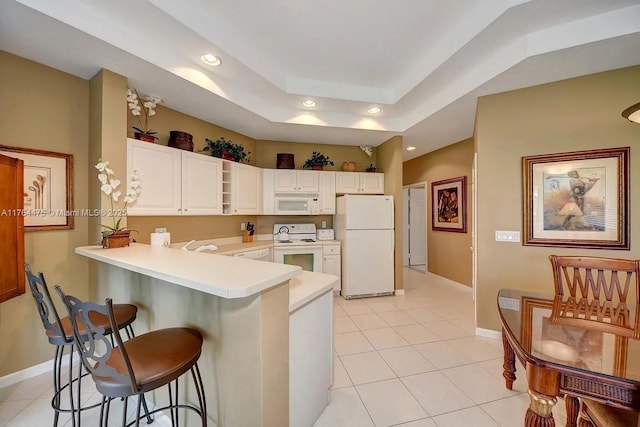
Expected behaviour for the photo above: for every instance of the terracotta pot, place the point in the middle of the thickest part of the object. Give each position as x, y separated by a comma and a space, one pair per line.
117, 240
227, 156
144, 137
317, 167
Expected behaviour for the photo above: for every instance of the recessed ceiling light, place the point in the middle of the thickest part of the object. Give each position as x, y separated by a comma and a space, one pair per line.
309, 103
211, 59
411, 148
374, 110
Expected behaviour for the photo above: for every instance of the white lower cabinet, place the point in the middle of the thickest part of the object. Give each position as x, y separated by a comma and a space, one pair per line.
173, 181
310, 360
331, 262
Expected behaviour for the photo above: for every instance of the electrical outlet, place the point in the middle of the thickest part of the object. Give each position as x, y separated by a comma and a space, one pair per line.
507, 236
324, 224
243, 226
509, 303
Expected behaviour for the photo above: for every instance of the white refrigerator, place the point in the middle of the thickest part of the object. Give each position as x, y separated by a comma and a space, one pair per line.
364, 226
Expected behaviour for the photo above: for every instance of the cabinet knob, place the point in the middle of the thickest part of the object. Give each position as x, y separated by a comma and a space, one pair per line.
179, 210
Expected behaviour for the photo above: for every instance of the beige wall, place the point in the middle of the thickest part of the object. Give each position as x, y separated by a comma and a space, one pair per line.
268, 150
390, 162
576, 114
448, 253
47, 110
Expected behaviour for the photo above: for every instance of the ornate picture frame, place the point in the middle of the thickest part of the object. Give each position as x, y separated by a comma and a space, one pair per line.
449, 205
48, 188
578, 199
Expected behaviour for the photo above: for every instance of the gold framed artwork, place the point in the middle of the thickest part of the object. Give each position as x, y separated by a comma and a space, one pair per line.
449, 205
577, 200
48, 188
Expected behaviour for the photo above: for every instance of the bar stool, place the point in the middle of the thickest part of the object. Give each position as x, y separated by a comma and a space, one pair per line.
137, 366
59, 331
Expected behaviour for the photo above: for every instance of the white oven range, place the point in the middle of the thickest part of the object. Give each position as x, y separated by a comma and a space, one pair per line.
296, 244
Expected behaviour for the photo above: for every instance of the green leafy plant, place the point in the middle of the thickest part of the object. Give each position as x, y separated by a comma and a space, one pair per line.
221, 145
317, 159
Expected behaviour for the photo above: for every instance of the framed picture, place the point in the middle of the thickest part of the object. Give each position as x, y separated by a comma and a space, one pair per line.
583, 348
577, 200
48, 188
449, 205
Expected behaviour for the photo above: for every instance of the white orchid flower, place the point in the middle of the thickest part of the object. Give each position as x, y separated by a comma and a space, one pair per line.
102, 177
114, 183
101, 165
152, 113
116, 195
106, 189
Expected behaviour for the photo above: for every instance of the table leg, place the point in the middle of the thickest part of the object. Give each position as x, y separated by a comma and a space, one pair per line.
509, 365
573, 407
539, 412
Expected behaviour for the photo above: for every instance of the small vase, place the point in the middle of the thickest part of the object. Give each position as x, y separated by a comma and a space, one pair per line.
117, 240
317, 167
144, 137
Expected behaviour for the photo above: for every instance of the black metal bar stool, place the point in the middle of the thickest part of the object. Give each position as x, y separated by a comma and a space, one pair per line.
137, 366
59, 331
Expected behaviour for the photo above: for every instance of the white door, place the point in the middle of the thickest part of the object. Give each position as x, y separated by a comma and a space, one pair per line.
372, 183
417, 229
405, 226
308, 181
201, 184
286, 181
247, 189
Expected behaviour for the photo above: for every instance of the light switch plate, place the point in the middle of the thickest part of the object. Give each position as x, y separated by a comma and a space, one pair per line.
509, 303
507, 236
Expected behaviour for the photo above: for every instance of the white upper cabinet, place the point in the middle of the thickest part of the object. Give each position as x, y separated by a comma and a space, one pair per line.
246, 188
327, 194
201, 188
296, 181
173, 181
359, 183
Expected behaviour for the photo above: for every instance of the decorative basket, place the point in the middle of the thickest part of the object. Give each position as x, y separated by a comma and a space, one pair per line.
349, 166
285, 161
117, 240
181, 140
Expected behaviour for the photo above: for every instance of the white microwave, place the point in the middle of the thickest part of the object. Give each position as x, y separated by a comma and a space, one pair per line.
297, 204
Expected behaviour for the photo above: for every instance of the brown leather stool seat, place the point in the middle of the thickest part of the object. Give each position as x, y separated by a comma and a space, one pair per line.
59, 332
139, 365
599, 415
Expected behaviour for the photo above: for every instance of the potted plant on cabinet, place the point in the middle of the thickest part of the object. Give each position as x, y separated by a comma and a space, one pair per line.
317, 161
226, 149
142, 113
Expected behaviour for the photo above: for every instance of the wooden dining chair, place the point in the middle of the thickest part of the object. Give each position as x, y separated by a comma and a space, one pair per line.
592, 293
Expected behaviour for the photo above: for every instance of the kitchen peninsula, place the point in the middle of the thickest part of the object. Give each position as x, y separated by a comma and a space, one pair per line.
243, 309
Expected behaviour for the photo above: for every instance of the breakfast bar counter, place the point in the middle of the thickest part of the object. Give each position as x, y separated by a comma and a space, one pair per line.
242, 307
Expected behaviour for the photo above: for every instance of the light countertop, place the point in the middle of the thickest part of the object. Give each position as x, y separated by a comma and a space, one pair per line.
307, 286
223, 276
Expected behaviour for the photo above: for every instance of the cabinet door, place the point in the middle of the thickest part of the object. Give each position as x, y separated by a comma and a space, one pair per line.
371, 183
247, 189
286, 181
201, 184
327, 193
347, 182
308, 181
331, 265
159, 169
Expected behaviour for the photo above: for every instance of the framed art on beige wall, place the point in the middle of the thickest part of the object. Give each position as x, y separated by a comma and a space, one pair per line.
449, 205
578, 199
48, 188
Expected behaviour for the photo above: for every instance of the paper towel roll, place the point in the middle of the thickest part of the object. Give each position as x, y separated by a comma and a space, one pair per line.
160, 239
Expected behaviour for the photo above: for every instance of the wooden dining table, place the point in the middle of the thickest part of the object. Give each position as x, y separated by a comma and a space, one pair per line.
565, 361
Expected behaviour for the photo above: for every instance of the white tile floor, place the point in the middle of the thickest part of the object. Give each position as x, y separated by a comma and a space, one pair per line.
411, 361
414, 361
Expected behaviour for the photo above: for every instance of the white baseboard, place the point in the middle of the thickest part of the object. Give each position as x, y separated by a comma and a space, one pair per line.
34, 371
488, 333
399, 292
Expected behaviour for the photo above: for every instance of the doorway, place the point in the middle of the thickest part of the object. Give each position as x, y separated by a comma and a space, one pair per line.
415, 230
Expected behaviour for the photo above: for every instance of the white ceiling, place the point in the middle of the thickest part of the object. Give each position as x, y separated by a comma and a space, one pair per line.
424, 62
